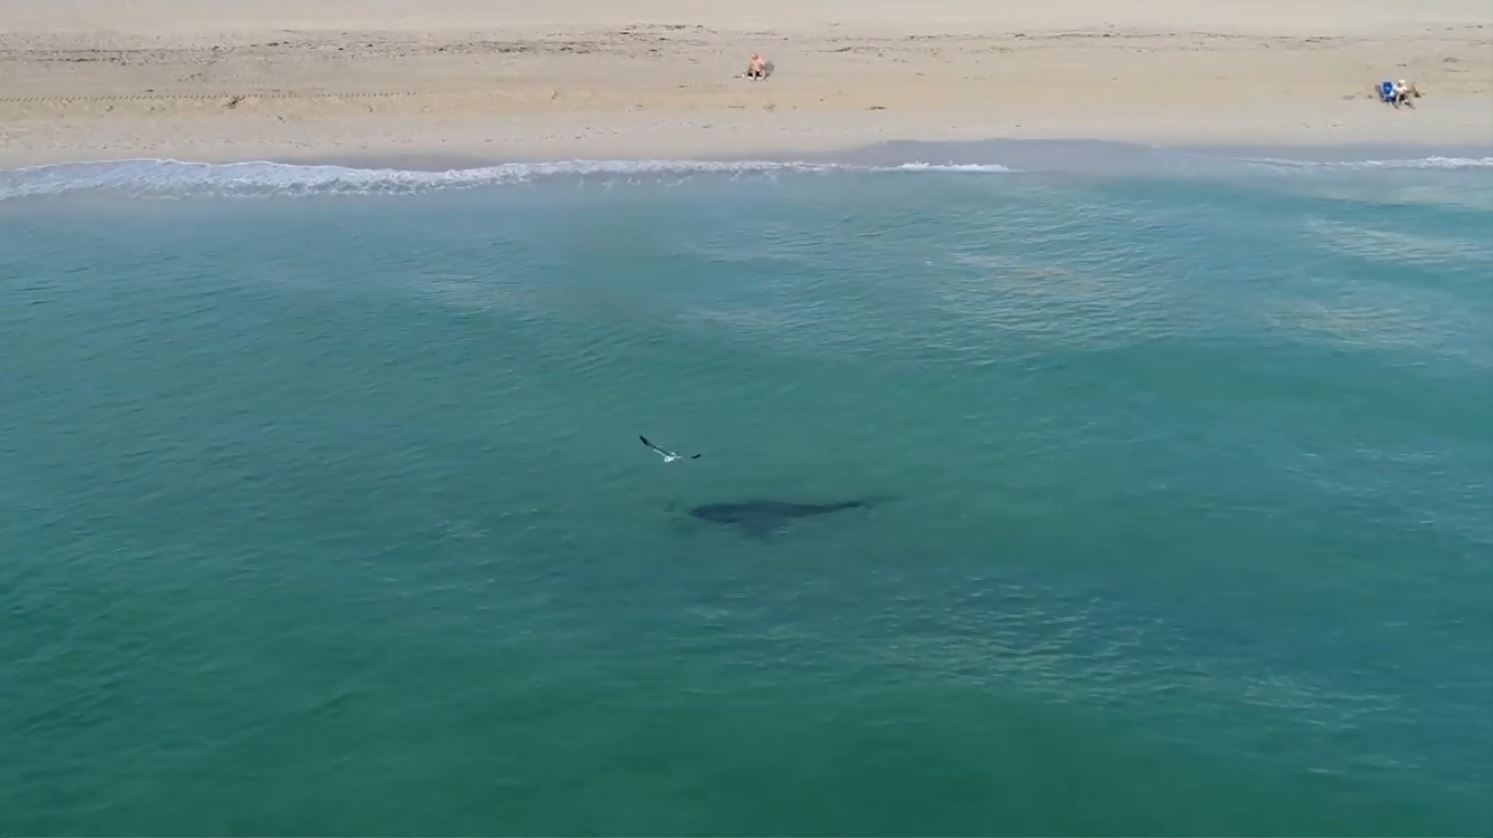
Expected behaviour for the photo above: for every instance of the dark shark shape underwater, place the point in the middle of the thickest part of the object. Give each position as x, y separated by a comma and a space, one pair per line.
759, 517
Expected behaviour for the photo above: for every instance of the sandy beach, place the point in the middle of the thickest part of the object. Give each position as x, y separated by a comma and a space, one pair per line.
333, 79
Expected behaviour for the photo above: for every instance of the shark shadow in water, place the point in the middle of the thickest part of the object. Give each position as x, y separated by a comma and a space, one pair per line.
763, 517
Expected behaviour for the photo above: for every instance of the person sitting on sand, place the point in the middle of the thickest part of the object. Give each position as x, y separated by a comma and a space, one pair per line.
756, 67
1404, 92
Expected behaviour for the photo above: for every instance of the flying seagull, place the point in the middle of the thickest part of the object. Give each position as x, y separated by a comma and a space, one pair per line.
669, 456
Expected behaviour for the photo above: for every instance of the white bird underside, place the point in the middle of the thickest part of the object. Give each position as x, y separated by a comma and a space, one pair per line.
669, 456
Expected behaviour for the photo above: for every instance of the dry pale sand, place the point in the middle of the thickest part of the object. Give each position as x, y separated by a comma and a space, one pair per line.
504, 79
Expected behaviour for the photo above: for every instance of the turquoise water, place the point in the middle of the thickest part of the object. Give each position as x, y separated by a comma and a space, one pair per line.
323, 510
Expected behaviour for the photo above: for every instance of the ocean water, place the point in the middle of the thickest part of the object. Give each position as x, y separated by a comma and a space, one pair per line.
322, 508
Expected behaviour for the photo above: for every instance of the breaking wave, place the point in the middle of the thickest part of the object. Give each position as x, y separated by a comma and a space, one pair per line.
180, 179
1408, 163
176, 178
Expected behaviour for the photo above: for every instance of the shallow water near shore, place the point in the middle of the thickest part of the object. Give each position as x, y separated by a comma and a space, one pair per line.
324, 512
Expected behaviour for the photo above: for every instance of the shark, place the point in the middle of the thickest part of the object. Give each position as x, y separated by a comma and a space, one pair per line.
760, 517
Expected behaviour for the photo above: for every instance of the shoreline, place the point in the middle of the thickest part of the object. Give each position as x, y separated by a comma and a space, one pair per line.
1056, 154
411, 174
817, 137
578, 79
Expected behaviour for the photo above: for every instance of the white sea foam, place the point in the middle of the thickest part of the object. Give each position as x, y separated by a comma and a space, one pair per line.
181, 178
176, 178
1407, 163
988, 168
